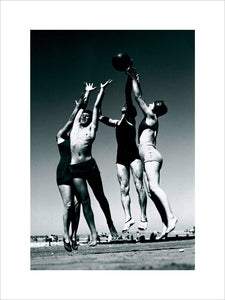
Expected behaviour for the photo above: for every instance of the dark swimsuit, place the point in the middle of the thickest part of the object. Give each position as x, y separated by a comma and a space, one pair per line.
63, 175
84, 169
144, 126
127, 150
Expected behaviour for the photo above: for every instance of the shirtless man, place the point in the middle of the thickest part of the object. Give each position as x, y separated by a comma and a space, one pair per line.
83, 167
128, 159
150, 156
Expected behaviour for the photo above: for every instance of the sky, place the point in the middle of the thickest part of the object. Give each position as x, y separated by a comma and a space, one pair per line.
61, 61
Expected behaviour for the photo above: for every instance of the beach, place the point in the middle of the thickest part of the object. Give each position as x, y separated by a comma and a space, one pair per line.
160, 255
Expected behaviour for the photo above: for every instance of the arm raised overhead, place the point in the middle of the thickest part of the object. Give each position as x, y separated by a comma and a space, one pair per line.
97, 105
137, 91
63, 132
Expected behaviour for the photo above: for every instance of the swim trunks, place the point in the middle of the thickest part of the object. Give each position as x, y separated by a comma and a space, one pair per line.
127, 150
84, 169
63, 175
148, 152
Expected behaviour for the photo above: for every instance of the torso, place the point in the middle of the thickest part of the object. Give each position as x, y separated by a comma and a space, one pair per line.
125, 134
148, 130
127, 150
81, 141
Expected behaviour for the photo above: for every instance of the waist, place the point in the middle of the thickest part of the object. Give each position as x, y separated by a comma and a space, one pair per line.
80, 158
147, 135
147, 144
84, 169
126, 145
90, 161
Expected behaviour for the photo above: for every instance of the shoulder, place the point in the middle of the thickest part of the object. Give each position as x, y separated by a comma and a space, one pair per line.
149, 112
60, 140
61, 136
130, 121
117, 123
151, 120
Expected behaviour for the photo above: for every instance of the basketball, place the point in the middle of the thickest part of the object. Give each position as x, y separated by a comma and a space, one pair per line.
121, 61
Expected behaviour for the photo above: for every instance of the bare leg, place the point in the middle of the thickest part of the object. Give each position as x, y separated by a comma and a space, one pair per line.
83, 197
123, 175
159, 197
137, 171
75, 223
97, 188
67, 197
158, 204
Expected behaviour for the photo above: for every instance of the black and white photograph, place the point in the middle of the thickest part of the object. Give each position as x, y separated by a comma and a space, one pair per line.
112, 130
106, 164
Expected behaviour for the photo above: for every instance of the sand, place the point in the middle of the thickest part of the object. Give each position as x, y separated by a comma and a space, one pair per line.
167, 255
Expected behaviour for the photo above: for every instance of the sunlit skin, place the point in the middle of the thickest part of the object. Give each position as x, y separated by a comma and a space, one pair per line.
71, 208
152, 167
135, 166
81, 138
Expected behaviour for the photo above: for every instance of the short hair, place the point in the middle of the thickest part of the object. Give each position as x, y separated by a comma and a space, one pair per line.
88, 111
160, 108
131, 109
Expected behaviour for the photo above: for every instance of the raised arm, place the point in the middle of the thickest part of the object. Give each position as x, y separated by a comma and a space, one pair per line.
130, 112
63, 133
80, 105
128, 91
98, 103
137, 91
88, 88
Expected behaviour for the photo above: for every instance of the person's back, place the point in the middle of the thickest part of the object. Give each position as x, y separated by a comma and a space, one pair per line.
128, 158
125, 135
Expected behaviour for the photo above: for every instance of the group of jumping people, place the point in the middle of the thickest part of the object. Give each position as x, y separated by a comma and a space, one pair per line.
77, 167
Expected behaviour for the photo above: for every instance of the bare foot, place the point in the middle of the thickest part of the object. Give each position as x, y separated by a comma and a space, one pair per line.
74, 245
143, 225
113, 232
163, 233
92, 243
171, 224
67, 245
128, 224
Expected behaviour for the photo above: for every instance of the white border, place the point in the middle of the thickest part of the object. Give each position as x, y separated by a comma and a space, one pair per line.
207, 18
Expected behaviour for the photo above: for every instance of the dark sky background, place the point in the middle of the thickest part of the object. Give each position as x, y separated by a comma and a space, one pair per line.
61, 61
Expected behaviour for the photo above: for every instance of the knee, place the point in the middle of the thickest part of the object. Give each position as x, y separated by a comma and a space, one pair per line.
124, 188
139, 185
86, 202
67, 206
77, 206
154, 188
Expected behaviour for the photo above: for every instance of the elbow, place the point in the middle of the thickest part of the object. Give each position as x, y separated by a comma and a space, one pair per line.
138, 97
59, 133
96, 108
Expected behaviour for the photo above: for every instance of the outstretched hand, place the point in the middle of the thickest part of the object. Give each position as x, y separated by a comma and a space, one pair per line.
80, 101
103, 85
132, 73
89, 87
